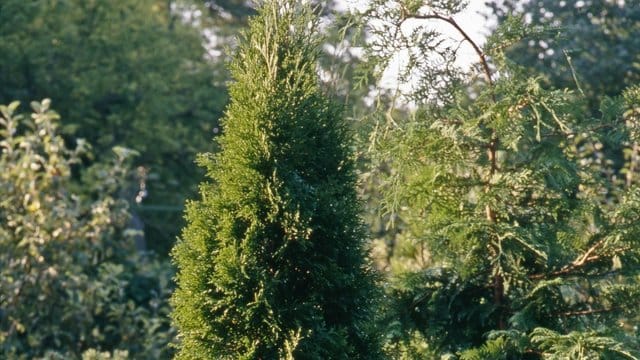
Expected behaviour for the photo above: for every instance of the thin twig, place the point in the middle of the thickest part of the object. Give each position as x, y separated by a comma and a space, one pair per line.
450, 20
573, 72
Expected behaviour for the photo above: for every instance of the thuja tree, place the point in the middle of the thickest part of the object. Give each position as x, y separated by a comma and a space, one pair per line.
509, 251
272, 261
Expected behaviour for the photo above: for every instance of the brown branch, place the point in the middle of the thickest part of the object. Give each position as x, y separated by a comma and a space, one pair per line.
580, 261
452, 22
586, 259
565, 271
576, 264
492, 147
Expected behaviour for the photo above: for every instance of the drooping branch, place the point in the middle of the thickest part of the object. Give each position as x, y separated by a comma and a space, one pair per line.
587, 258
588, 255
492, 146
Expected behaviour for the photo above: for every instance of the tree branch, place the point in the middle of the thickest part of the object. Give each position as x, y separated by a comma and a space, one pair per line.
583, 260
492, 147
585, 312
452, 22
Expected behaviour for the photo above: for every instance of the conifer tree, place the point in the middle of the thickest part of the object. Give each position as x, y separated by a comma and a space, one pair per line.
508, 250
272, 262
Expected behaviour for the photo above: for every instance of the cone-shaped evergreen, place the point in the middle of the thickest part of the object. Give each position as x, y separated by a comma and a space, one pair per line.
272, 262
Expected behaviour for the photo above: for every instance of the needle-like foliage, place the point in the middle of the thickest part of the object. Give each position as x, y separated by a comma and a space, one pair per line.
272, 263
508, 251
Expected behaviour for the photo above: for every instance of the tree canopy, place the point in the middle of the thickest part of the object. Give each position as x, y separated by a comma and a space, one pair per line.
123, 73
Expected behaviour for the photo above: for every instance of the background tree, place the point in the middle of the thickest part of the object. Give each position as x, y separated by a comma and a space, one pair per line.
510, 251
128, 73
591, 44
272, 262
69, 278
591, 47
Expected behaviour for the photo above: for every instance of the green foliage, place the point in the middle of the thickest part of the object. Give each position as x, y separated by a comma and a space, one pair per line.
92, 354
579, 345
272, 262
410, 49
593, 42
589, 46
70, 278
497, 348
504, 227
123, 73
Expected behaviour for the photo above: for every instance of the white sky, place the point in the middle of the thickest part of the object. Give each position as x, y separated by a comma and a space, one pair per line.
474, 24
471, 21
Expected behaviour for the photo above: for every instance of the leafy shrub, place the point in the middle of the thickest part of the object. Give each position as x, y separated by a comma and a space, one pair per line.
70, 278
